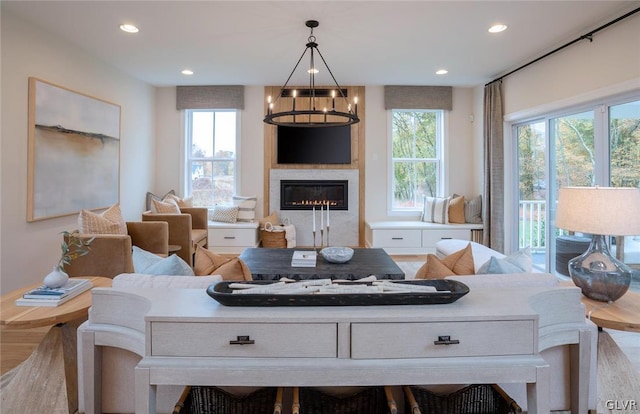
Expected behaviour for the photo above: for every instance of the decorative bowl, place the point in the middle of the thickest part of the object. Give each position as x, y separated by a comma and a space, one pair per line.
337, 254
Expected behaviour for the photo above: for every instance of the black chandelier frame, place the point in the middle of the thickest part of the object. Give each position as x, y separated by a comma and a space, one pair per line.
303, 117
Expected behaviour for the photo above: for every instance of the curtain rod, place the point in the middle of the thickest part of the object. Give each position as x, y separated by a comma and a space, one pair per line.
588, 36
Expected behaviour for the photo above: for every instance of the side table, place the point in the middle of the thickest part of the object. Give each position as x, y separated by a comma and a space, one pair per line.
622, 315
48, 380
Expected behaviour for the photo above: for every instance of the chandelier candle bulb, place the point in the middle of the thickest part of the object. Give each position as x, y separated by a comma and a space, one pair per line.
311, 116
355, 102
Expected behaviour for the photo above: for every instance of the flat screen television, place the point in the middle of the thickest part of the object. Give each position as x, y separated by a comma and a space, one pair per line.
314, 145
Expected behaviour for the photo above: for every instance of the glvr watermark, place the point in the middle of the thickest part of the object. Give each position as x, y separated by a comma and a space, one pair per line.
622, 405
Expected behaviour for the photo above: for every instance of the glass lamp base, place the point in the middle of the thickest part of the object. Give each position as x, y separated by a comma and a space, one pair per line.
600, 275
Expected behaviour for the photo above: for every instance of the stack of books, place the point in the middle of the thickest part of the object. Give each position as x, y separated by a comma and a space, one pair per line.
46, 296
303, 259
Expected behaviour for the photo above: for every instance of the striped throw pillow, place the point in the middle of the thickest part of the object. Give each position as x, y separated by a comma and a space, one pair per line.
246, 207
473, 210
436, 210
109, 221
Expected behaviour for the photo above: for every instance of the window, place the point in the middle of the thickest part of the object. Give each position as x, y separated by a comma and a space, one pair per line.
594, 144
211, 162
416, 157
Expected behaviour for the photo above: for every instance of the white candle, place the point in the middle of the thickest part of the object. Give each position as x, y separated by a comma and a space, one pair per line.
314, 218
328, 204
321, 218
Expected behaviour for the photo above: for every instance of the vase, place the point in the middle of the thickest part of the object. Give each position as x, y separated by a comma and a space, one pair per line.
601, 276
56, 278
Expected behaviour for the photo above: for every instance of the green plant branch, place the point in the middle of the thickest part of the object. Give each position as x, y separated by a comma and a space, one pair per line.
73, 247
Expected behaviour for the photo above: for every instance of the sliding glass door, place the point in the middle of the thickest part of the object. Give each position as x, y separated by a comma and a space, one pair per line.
597, 145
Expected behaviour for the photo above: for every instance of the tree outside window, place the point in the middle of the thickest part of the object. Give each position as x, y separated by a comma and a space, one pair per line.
211, 161
416, 157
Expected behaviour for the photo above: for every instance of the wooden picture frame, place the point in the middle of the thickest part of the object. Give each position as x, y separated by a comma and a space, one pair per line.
73, 152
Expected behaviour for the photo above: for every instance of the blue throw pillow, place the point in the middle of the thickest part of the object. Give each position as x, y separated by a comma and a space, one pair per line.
152, 264
518, 262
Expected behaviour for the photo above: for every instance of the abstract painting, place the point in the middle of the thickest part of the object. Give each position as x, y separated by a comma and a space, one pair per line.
73, 154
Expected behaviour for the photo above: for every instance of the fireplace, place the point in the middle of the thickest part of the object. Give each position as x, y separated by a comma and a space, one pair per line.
304, 194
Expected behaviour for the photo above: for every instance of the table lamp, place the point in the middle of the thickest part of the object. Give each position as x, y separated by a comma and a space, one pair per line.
599, 211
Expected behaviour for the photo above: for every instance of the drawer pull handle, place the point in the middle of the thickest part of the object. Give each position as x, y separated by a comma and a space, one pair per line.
397, 238
229, 237
242, 340
446, 238
446, 340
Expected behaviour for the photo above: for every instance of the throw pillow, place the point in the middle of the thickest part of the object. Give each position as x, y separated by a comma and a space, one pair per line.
151, 196
456, 210
457, 263
152, 264
473, 210
109, 221
181, 202
436, 210
518, 262
272, 218
246, 207
165, 207
207, 262
225, 214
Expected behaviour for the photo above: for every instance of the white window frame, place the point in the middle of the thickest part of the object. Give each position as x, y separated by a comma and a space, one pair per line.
187, 145
599, 106
441, 150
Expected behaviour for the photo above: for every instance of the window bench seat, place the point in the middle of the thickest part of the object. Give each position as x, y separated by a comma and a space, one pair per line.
416, 237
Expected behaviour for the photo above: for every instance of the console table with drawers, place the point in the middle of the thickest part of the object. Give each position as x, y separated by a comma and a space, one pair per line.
487, 336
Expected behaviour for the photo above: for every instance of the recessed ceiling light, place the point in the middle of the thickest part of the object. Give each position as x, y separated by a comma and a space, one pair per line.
497, 28
442, 72
129, 28
187, 72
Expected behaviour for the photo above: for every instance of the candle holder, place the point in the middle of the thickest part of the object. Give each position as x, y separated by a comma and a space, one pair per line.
314, 240
321, 238
328, 236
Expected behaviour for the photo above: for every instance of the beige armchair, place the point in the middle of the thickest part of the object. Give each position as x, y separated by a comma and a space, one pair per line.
111, 254
188, 229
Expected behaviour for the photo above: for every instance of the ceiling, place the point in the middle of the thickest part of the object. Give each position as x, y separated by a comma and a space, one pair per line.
363, 42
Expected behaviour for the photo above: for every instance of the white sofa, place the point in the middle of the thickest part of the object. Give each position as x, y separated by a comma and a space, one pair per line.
556, 353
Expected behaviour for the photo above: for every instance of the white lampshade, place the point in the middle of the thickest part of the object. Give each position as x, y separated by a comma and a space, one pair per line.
613, 211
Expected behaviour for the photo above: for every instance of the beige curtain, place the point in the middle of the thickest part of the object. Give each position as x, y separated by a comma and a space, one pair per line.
493, 205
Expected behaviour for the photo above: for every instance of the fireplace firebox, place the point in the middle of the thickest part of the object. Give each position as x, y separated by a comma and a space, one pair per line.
304, 194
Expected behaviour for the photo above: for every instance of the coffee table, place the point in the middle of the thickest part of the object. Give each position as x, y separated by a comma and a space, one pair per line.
272, 264
48, 380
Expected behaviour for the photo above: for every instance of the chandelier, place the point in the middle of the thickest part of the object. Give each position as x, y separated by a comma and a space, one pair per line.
315, 108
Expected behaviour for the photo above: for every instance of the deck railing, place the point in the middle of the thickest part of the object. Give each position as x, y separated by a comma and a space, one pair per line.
532, 219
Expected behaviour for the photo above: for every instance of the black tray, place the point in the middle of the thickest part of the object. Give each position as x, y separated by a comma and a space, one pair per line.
451, 291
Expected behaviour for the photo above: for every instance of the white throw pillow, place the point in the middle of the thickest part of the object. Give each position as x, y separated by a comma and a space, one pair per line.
246, 207
225, 214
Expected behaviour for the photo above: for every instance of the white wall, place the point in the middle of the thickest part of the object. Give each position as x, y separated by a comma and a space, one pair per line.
170, 145
461, 164
460, 160
29, 250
